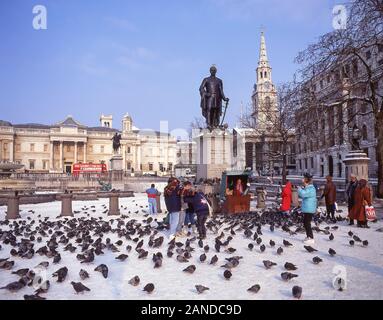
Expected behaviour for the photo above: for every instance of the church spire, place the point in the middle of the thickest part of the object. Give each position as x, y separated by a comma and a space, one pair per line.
263, 60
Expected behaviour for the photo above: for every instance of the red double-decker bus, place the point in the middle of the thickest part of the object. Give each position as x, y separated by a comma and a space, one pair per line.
88, 168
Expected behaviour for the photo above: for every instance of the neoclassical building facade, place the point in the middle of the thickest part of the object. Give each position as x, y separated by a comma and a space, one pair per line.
55, 148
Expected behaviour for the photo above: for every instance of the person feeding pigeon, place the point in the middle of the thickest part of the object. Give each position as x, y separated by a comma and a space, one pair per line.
309, 205
190, 214
286, 198
329, 193
200, 205
172, 196
152, 193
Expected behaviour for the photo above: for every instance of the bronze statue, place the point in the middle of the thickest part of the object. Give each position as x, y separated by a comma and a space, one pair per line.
356, 136
116, 142
211, 91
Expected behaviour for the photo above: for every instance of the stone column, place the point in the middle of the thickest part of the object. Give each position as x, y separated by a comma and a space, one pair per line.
75, 152
66, 205
84, 153
61, 156
114, 208
13, 207
52, 158
254, 157
11, 151
1, 150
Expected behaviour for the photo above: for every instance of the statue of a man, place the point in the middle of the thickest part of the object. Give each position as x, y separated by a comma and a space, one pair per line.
211, 91
356, 136
116, 142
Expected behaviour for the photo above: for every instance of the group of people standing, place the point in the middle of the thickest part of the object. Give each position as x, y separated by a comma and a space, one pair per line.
183, 203
358, 196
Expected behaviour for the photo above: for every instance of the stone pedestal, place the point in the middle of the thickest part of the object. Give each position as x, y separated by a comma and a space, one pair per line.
158, 200
117, 167
114, 207
214, 153
356, 162
261, 198
66, 205
13, 207
294, 197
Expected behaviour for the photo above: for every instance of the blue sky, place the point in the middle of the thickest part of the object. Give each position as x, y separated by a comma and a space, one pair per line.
145, 57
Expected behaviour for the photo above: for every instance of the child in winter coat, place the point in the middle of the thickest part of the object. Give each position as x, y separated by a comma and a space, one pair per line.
200, 205
286, 198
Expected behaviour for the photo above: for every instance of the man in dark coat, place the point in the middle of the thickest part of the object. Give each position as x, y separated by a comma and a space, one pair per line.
350, 192
211, 91
329, 194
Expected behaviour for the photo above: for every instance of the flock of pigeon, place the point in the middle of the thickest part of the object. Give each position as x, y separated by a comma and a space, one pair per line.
87, 237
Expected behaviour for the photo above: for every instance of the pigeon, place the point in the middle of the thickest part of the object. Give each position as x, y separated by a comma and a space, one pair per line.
200, 243
33, 297
122, 257
227, 274
79, 287
83, 274
149, 288
190, 269
255, 288
279, 251
286, 243
310, 249
57, 258
214, 260
297, 292
230, 250
217, 247
365, 243
201, 288
268, 264
21, 272
103, 269
43, 288
135, 281
289, 266
272, 243
332, 252
331, 237
286, 276
356, 238
182, 259
14, 286
262, 248
61, 274
258, 241
351, 242
250, 246
206, 248
317, 260
202, 257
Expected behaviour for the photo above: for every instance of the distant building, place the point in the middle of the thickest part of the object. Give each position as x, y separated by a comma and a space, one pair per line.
322, 133
55, 148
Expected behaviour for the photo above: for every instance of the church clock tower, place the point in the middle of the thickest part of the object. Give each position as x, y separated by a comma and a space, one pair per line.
264, 96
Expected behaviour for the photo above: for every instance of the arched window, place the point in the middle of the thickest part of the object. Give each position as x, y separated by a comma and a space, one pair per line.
364, 132
265, 74
261, 74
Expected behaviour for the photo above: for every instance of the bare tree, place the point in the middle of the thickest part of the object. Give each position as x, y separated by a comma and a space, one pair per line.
353, 58
277, 123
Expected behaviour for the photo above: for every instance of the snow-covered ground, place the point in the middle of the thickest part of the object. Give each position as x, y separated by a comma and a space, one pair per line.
361, 266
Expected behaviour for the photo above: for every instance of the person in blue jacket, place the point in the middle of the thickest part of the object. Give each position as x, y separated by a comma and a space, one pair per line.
152, 193
172, 196
308, 195
200, 206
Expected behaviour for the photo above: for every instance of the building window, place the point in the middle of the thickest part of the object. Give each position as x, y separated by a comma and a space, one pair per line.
102, 149
161, 167
170, 166
45, 148
68, 148
128, 150
312, 162
150, 166
45, 164
128, 165
339, 169
32, 164
18, 147
32, 147
364, 132
90, 148
306, 166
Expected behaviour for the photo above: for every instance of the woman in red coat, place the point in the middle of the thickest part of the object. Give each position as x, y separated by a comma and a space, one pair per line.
362, 198
286, 198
